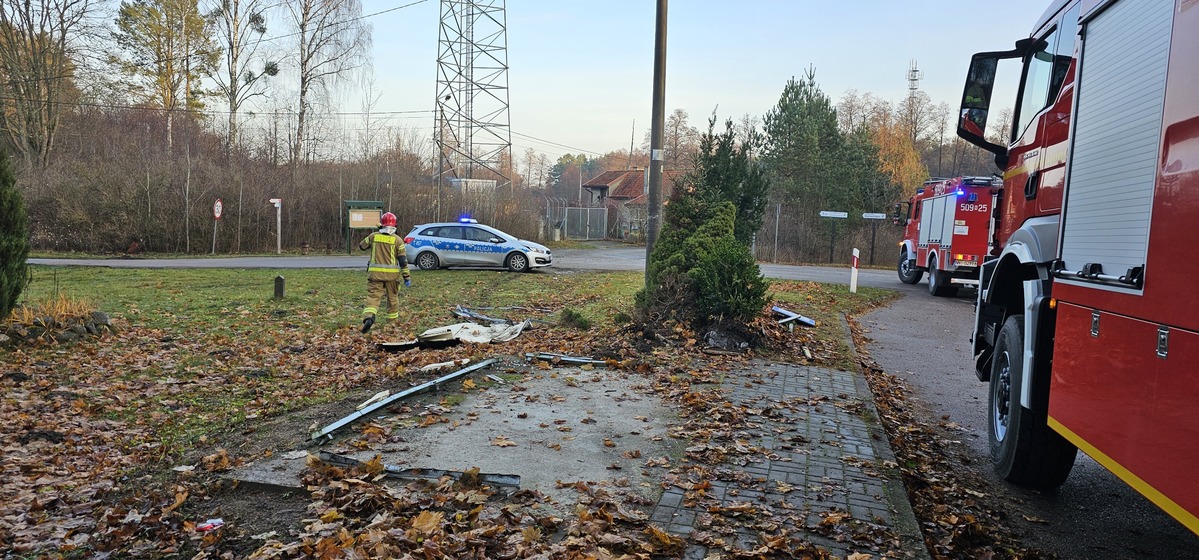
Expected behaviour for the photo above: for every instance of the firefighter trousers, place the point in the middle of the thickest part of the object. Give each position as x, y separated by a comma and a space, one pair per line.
375, 291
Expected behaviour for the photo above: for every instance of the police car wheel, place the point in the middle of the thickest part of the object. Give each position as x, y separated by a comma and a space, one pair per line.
518, 262
427, 261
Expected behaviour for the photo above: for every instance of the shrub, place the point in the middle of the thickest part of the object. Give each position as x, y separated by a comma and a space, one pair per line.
573, 319
700, 273
14, 240
729, 287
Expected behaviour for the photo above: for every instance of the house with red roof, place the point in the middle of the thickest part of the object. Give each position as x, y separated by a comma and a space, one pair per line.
625, 194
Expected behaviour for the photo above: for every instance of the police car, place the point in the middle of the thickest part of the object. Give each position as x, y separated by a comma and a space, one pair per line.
469, 243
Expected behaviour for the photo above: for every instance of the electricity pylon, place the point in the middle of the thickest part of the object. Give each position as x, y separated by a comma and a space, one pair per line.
472, 131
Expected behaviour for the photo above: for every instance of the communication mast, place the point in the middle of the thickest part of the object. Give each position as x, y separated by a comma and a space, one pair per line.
914, 77
472, 131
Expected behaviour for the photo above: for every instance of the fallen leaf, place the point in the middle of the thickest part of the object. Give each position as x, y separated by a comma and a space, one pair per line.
502, 441
428, 522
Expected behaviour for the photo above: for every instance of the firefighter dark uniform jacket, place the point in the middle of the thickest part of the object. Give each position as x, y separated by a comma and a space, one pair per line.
388, 261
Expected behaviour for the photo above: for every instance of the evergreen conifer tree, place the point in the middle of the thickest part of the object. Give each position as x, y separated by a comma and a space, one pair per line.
701, 270
14, 239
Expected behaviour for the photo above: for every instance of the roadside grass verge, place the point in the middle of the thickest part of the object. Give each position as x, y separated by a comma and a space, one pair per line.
826, 304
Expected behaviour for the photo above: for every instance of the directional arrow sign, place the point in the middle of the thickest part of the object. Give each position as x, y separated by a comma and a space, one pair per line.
874, 215
829, 214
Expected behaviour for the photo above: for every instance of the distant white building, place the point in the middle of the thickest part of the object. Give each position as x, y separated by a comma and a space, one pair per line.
480, 186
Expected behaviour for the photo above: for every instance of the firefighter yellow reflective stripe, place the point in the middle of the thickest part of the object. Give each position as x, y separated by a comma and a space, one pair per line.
382, 268
385, 239
393, 316
370, 310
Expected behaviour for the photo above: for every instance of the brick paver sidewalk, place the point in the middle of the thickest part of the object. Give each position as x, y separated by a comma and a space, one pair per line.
823, 466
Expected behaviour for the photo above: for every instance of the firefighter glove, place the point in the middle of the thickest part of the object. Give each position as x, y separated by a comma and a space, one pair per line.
407, 282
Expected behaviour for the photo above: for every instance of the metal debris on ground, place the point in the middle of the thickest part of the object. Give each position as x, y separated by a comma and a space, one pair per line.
552, 357
473, 332
374, 399
517, 308
466, 313
511, 480
789, 316
496, 378
443, 365
328, 430
210, 525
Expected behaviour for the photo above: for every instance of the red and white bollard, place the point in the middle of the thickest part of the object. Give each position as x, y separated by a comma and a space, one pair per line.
853, 273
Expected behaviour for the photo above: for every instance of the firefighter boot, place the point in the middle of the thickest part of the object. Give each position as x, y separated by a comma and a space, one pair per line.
367, 323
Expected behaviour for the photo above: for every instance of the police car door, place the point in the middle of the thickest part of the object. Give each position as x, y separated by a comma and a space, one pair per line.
479, 250
449, 244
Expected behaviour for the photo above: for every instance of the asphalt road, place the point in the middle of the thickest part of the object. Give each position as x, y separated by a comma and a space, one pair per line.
923, 340
616, 257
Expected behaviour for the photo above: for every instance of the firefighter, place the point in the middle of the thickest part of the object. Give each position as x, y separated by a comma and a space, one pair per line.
388, 263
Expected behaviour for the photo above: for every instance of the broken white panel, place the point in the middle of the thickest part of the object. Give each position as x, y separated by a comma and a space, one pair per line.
473, 332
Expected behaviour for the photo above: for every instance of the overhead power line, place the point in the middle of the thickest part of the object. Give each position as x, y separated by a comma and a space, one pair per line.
556, 144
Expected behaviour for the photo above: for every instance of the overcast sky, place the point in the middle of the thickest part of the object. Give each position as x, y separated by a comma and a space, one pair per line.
580, 72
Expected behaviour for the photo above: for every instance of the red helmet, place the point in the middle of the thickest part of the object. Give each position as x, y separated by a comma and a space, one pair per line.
388, 220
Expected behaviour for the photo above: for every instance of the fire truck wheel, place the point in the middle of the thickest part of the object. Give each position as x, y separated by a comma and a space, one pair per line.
1024, 449
909, 273
938, 282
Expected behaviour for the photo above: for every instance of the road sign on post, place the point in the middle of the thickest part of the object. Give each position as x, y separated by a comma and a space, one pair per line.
874, 217
832, 240
217, 209
278, 202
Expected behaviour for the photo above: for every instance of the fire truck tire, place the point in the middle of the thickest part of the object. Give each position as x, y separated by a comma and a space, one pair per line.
1024, 449
909, 273
938, 282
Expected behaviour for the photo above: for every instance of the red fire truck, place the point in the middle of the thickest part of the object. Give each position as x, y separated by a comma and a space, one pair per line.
948, 229
1087, 323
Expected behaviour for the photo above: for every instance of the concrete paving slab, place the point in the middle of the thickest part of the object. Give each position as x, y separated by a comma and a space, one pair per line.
566, 424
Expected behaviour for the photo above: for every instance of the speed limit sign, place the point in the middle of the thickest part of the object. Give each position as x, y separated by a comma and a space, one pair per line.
217, 208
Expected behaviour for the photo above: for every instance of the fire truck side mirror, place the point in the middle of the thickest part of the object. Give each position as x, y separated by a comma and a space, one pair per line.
899, 217
976, 96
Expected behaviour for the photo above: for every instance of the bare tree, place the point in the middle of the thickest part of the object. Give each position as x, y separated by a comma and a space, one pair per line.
36, 43
240, 26
916, 113
746, 128
372, 129
334, 40
682, 140
530, 159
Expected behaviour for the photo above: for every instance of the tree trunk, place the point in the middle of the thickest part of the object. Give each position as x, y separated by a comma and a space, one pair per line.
187, 183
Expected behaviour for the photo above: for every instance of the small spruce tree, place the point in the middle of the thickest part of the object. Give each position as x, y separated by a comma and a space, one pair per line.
699, 272
14, 239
